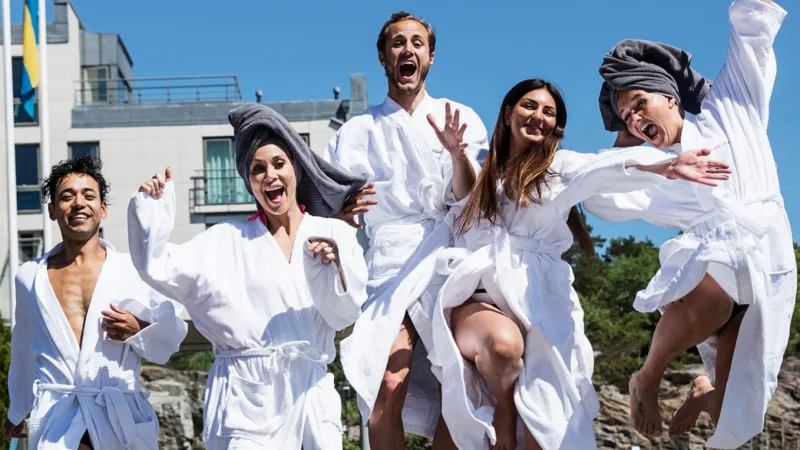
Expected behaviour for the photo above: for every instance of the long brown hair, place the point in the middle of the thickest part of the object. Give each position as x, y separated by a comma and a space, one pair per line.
524, 175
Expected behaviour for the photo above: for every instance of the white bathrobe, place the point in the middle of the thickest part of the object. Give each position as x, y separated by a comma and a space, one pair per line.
271, 322
518, 262
412, 173
738, 232
69, 388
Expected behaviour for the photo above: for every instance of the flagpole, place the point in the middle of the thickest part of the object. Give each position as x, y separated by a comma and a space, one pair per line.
11, 166
44, 118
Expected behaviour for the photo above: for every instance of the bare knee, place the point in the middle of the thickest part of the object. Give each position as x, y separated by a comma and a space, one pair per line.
391, 396
504, 348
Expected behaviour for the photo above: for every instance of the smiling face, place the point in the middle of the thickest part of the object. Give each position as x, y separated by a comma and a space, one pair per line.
406, 57
654, 118
532, 119
77, 207
273, 180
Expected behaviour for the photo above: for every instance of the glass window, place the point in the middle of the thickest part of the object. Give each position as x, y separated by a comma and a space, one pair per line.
30, 245
92, 148
95, 85
223, 184
28, 189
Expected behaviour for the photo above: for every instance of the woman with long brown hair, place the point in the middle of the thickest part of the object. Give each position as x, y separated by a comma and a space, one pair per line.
508, 306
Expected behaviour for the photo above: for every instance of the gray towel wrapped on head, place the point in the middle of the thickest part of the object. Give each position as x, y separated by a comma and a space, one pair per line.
322, 188
652, 67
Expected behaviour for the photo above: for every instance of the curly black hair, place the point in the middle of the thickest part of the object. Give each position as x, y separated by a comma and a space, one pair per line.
83, 164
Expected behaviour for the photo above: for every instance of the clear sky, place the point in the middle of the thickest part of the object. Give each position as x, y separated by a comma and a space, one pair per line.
300, 50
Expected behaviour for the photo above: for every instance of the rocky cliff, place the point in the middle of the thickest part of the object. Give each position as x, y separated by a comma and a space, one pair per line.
178, 400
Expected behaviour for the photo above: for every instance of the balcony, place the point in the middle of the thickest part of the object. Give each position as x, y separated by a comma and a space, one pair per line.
219, 194
157, 90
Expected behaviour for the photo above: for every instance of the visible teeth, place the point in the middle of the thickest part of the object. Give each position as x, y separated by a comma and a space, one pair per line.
274, 189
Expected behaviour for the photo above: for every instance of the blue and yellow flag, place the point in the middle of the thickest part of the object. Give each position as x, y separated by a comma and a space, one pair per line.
30, 56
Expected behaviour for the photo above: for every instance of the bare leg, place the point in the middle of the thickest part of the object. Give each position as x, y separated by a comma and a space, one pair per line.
386, 421
442, 439
704, 396
494, 342
684, 324
530, 441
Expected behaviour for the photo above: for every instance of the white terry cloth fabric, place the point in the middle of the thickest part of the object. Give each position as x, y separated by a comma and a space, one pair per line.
518, 262
738, 232
70, 388
271, 321
412, 173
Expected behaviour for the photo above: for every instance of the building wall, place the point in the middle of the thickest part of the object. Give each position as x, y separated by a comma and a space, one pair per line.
63, 70
130, 154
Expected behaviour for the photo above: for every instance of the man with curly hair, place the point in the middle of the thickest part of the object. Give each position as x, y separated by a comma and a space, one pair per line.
81, 308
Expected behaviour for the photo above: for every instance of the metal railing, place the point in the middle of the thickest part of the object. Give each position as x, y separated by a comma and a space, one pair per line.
157, 90
218, 187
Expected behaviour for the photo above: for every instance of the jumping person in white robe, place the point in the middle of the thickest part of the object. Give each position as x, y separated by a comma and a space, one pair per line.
268, 293
727, 284
81, 309
417, 173
508, 327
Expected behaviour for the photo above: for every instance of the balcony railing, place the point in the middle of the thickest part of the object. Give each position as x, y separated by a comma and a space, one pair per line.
219, 191
189, 89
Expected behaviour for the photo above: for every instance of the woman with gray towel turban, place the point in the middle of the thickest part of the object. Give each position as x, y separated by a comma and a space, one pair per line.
727, 284
269, 293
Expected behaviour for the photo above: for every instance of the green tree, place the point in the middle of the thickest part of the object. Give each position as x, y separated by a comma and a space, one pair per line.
5, 362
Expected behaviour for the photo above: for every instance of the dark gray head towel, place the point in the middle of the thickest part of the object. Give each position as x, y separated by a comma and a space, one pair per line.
321, 187
652, 67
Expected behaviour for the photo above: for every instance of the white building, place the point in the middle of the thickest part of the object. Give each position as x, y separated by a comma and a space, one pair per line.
138, 127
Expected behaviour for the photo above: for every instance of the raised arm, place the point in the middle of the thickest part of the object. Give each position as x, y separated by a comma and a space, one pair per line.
172, 270
749, 73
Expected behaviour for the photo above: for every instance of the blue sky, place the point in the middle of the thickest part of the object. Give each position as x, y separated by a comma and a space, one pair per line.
298, 50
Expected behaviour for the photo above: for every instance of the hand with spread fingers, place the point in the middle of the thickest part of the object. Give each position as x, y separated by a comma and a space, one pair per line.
694, 166
15, 431
356, 205
452, 135
120, 325
155, 185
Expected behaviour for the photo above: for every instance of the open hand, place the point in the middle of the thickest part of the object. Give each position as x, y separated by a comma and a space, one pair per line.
695, 167
120, 325
452, 135
155, 185
356, 205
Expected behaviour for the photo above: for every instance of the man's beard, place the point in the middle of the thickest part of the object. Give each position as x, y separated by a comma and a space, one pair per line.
407, 90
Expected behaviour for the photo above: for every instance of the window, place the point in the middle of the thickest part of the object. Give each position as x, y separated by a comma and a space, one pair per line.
306, 138
30, 245
95, 85
20, 115
28, 189
92, 148
222, 182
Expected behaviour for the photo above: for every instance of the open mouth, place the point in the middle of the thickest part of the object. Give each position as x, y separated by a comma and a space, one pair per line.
274, 195
407, 70
80, 217
650, 131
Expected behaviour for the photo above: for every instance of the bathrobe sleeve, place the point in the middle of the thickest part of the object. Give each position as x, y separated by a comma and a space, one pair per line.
750, 67
477, 147
172, 270
159, 340
584, 175
338, 306
22, 370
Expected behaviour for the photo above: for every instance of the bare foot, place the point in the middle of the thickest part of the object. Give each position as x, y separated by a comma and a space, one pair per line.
645, 413
684, 419
505, 425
